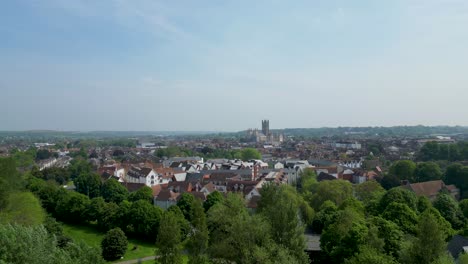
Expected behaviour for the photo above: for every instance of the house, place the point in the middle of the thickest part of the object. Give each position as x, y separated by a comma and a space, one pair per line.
323, 176
431, 189
166, 198
145, 175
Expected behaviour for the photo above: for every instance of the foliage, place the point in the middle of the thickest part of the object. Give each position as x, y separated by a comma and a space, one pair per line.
145, 219
185, 227
430, 241
212, 199
114, 244
250, 154
368, 191
145, 193
326, 216
20, 244
343, 238
185, 204
369, 255
336, 191
113, 191
403, 169
398, 195
88, 184
390, 233
60, 175
450, 210
280, 206
72, 207
402, 215
197, 245
427, 171
168, 241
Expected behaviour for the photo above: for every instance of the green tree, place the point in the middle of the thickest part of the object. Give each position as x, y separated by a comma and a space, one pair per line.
390, 233
369, 255
250, 153
368, 191
197, 245
402, 215
113, 191
430, 240
168, 241
280, 206
145, 193
336, 191
427, 171
34, 245
88, 184
185, 204
185, 226
144, 219
72, 207
212, 199
403, 169
464, 207
343, 238
326, 216
450, 210
114, 244
398, 195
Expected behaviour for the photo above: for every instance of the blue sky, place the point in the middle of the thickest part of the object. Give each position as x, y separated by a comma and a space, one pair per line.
225, 65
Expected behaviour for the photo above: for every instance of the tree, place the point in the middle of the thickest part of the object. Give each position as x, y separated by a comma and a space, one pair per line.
197, 245
450, 210
185, 227
212, 199
144, 219
79, 166
113, 191
427, 171
145, 193
390, 181
250, 154
22, 244
464, 207
43, 154
401, 215
369, 255
390, 233
185, 204
88, 184
398, 195
368, 190
280, 206
114, 244
168, 241
336, 191
72, 207
343, 238
237, 237
326, 216
403, 169
430, 240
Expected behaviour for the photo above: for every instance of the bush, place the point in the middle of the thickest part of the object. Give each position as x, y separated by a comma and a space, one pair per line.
114, 244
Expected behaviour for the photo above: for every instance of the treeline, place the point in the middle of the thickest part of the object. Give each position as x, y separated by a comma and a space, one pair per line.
209, 153
27, 235
433, 151
218, 230
367, 224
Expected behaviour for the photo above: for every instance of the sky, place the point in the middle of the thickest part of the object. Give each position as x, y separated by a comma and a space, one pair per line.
204, 65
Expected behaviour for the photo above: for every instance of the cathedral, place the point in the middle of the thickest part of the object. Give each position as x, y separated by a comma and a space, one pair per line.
265, 135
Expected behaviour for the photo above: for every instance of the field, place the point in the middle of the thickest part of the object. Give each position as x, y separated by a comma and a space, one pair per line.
93, 237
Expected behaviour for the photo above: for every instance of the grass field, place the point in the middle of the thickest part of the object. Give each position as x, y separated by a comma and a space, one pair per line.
93, 237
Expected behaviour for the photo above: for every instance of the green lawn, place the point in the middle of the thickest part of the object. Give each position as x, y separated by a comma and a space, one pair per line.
184, 258
93, 238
